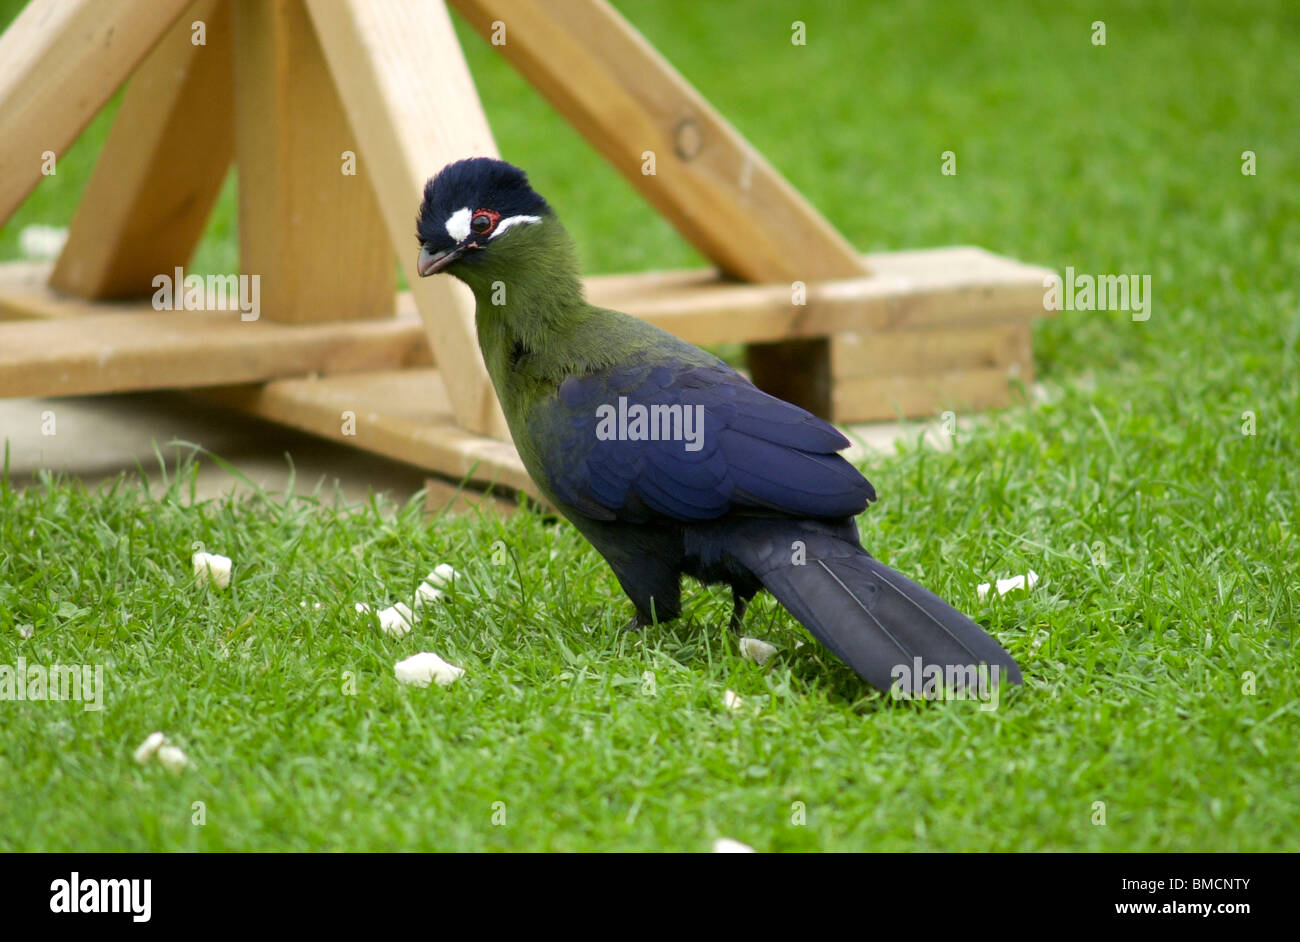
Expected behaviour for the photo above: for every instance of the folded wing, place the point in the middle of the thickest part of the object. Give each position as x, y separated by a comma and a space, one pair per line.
710, 443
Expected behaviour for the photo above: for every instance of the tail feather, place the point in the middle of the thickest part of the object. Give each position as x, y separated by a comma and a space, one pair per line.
879, 622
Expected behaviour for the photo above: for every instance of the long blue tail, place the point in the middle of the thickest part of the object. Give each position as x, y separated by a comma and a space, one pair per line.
876, 620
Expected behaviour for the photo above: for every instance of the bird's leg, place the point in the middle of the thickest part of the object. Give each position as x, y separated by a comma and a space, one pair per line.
641, 620
739, 604
654, 588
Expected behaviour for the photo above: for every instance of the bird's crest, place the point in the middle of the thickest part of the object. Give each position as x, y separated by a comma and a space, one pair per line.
479, 198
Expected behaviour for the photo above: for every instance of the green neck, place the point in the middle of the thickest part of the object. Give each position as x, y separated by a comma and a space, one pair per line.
534, 326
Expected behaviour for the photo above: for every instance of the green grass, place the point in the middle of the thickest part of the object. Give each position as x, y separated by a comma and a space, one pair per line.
1165, 538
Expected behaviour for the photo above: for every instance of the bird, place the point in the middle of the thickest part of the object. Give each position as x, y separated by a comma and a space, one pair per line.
669, 461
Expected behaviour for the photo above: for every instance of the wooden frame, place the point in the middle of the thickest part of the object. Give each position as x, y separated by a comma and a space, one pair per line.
286, 88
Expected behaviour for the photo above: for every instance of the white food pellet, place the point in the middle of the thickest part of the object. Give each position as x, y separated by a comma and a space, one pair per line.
725, 845
731, 701
426, 667
1025, 582
26, 631
756, 650
145, 751
211, 566
442, 576
426, 594
397, 619
172, 758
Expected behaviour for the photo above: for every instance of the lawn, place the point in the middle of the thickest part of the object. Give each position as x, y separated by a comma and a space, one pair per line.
1154, 491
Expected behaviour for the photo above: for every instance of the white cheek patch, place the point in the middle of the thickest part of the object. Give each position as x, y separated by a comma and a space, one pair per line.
506, 223
458, 225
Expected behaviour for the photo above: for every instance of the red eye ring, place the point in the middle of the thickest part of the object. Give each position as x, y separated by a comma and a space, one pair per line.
484, 221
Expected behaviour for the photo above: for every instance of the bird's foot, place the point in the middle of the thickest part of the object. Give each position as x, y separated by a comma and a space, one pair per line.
635, 624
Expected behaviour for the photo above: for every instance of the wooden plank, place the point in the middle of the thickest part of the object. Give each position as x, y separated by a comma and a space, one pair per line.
403, 414
626, 99
723, 313
410, 99
25, 294
934, 288
25, 290
41, 302
885, 352
60, 61
907, 290
885, 398
147, 349
313, 233
159, 173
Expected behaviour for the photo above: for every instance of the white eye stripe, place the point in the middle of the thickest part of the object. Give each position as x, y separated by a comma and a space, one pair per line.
505, 224
458, 224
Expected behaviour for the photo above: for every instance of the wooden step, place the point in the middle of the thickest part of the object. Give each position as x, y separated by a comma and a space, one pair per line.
403, 414
102, 353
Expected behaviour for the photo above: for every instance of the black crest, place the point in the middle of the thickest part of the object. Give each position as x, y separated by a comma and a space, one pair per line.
476, 183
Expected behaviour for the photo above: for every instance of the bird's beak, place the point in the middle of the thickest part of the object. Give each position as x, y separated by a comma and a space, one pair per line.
431, 263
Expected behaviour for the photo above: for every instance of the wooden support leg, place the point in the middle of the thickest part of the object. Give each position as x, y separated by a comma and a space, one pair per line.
311, 230
409, 95
60, 61
720, 193
160, 171
626, 99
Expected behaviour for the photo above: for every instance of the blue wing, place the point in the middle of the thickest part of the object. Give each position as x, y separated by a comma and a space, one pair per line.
746, 450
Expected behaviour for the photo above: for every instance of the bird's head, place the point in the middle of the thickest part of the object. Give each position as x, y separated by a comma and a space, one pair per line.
469, 210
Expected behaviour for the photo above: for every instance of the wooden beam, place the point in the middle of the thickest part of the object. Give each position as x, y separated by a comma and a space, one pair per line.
708, 181
403, 414
406, 414
626, 99
956, 288
942, 296
900, 352
147, 349
930, 288
885, 398
310, 231
408, 94
159, 173
60, 61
